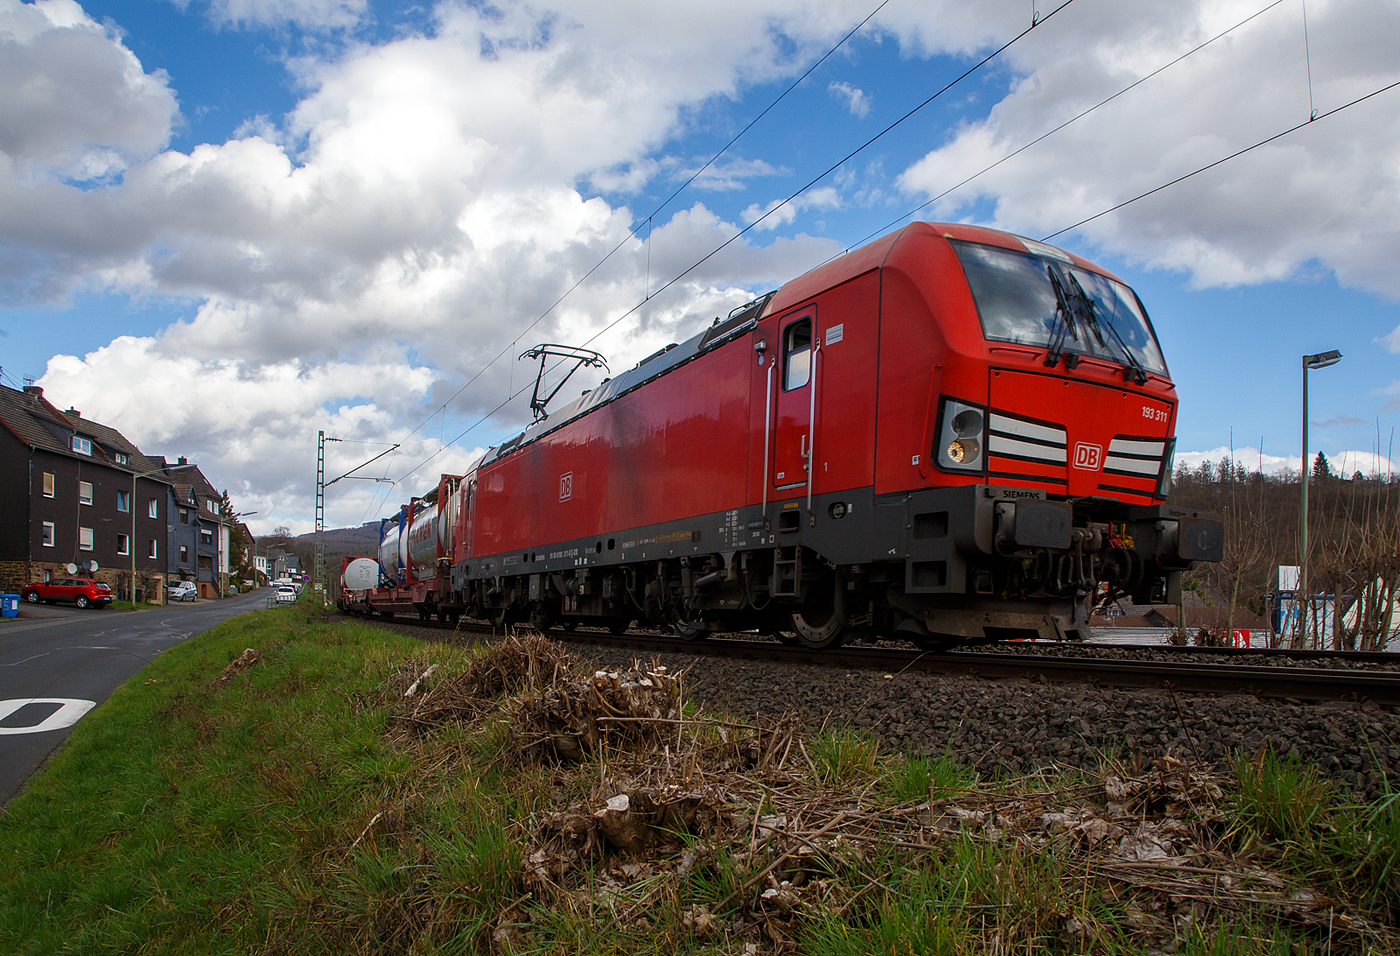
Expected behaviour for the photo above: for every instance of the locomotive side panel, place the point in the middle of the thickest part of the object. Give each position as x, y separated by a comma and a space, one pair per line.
664, 452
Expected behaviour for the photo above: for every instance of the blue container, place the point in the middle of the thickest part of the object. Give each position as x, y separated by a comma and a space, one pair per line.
9, 605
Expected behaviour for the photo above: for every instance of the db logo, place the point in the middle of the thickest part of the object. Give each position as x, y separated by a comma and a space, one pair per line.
1088, 457
566, 486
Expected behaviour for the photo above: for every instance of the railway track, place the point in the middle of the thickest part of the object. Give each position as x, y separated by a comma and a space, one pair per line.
1360, 679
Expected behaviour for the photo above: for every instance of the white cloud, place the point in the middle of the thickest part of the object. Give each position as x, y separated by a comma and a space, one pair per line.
355, 268
726, 174
1345, 462
856, 100
252, 427
308, 14
820, 197
77, 103
1328, 194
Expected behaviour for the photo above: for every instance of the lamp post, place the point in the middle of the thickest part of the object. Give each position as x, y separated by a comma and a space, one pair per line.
131, 542
1320, 360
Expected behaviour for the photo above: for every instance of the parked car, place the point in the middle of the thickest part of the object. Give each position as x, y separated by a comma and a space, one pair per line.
286, 594
84, 592
181, 591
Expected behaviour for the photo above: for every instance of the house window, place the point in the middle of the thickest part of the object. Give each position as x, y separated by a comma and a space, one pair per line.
84, 492
48, 575
48, 534
84, 539
184, 554
152, 551
123, 501
206, 536
153, 508
48, 484
82, 446
213, 508
206, 563
120, 457
184, 516
123, 543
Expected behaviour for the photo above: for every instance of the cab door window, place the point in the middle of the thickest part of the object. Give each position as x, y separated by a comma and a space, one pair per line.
797, 354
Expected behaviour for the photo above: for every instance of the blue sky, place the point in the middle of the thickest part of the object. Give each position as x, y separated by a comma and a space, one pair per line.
225, 226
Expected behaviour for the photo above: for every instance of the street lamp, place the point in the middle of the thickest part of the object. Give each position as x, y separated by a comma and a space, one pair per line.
131, 542
1320, 360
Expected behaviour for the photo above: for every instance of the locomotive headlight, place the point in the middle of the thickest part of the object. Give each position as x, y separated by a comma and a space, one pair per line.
961, 436
968, 424
962, 450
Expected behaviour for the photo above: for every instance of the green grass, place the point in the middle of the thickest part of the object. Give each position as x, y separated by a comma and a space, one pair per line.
915, 778
1291, 809
293, 809
845, 757
184, 816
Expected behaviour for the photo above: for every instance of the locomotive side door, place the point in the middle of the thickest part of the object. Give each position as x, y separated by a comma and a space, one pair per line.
792, 414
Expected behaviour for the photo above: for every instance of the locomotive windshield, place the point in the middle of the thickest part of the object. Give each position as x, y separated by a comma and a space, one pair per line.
1017, 302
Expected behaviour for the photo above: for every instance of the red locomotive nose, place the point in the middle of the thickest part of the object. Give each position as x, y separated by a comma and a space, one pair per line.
1087, 435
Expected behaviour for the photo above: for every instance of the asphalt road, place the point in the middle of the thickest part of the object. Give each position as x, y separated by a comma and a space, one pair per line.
57, 663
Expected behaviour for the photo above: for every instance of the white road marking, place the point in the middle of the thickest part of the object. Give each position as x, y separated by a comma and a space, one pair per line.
70, 711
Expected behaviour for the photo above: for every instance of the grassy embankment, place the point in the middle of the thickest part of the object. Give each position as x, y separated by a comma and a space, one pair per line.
301, 803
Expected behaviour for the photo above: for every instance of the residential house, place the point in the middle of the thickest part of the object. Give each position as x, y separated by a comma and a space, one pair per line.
198, 534
76, 497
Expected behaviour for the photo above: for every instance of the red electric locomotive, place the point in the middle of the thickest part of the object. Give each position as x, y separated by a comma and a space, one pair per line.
952, 434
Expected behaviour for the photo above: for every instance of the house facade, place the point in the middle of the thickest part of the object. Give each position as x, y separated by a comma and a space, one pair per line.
76, 497
198, 536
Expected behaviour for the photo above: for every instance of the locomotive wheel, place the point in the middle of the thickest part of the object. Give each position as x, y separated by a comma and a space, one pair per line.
788, 638
540, 618
569, 626
618, 625
686, 629
822, 621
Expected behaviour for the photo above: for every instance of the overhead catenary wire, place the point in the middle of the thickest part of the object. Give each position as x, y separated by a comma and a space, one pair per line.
1046, 135
648, 220
776, 207
1224, 159
812, 182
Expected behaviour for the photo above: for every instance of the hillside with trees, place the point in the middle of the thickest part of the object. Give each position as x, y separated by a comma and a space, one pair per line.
1353, 542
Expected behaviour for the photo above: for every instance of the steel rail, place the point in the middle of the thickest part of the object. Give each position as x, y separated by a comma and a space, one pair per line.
1268, 681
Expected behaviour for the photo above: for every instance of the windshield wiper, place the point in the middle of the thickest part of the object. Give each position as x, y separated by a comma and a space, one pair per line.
1064, 324
1132, 368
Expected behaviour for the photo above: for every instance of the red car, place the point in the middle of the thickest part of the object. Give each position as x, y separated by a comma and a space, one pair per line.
83, 592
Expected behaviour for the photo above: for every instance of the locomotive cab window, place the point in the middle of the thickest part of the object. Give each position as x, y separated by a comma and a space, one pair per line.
797, 354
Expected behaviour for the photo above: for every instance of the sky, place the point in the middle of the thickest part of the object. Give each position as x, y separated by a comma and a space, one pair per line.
228, 225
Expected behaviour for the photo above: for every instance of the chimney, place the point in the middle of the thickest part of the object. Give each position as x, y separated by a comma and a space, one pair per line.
182, 461
73, 413
34, 390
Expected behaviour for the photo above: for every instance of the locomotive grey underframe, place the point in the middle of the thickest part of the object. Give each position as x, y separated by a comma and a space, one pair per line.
938, 534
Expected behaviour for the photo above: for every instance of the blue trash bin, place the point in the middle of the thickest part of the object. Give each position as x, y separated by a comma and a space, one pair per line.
9, 605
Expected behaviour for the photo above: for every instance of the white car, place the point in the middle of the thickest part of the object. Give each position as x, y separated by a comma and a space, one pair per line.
181, 591
286, 595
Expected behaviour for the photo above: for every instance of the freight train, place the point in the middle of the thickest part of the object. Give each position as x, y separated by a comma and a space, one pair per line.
950, 435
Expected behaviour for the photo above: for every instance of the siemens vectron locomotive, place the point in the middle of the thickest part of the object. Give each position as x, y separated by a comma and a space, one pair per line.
952, 434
